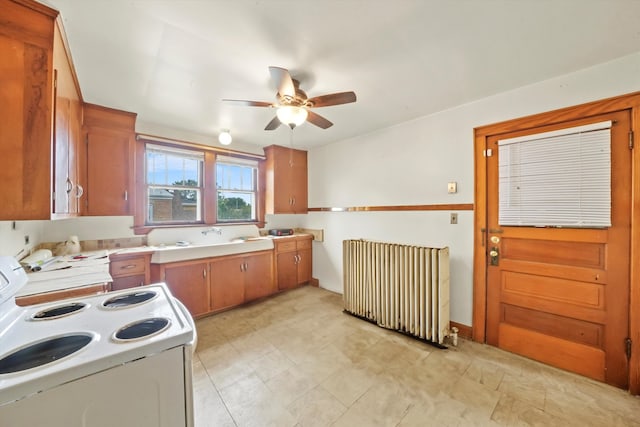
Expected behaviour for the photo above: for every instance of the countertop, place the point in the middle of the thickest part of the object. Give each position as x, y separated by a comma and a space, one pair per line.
92, 267
71, 271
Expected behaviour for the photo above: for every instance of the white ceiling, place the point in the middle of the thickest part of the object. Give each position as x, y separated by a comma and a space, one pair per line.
173, 61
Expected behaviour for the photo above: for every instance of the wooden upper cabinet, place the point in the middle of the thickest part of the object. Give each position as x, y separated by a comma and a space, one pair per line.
286, 180
108, 161
26, 107
67, 189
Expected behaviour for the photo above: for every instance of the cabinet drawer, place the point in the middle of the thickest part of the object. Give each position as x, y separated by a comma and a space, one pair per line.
304, 244
127, 282
127, 267
286, 246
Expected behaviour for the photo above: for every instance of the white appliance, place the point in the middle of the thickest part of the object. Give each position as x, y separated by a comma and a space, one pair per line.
117, 359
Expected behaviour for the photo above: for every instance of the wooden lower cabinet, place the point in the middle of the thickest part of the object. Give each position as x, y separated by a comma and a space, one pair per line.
293, 261
214, 284
189, 282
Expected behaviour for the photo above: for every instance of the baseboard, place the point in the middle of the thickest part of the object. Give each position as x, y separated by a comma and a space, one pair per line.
464, 331
314, 282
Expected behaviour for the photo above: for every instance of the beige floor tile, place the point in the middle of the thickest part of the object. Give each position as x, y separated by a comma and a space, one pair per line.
475, 396
349, 383
271, 364
251, 403
525, 389
485, 373
382, 405
290, 385
316, 408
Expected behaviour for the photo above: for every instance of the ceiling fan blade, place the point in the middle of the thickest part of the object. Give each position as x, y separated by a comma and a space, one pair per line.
332, 99
244, 103
273, 124
318, 120
282, 81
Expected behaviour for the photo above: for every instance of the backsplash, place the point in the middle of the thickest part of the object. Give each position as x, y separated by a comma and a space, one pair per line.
96, 245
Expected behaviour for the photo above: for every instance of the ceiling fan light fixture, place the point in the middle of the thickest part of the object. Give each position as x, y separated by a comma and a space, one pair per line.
225, 137
291, 115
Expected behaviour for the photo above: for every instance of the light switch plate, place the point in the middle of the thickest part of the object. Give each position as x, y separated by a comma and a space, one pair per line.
454, 218
452, 187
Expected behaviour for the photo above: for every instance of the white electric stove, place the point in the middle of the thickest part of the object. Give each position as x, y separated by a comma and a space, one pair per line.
121, 358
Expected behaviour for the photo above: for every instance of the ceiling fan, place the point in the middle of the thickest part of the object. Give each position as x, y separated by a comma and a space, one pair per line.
293, 105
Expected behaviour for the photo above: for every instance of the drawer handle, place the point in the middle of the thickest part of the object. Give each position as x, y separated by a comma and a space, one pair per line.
128, 266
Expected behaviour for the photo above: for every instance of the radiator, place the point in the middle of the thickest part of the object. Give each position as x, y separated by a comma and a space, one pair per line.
399, 287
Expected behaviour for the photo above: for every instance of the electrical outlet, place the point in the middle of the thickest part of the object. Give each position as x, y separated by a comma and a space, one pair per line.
13, 225
454, 218
26, 240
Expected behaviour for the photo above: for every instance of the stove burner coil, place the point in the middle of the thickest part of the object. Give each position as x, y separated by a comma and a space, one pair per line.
43, 352
130, 299
59, 311
142, 329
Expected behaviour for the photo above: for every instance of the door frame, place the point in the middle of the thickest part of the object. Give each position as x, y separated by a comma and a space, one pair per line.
624, 102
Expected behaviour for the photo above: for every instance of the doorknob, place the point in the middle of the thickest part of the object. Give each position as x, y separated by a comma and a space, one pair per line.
494, 255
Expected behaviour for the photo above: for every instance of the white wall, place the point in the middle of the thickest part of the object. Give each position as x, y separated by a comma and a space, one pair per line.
411, 163
12, 241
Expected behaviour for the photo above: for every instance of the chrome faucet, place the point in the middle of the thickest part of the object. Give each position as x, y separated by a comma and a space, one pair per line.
216, 230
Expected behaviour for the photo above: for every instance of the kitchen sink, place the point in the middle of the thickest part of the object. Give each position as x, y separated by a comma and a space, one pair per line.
172, 253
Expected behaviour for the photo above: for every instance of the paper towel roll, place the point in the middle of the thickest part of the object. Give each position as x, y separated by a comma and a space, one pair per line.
37, 258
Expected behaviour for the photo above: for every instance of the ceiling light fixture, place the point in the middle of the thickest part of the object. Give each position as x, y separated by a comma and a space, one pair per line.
291, 115
225, 137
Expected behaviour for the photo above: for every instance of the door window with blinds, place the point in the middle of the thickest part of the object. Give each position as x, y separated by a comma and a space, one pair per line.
556, 179
236, 184
174, 184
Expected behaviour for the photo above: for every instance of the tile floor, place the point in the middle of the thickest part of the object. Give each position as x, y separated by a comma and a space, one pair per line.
296, 360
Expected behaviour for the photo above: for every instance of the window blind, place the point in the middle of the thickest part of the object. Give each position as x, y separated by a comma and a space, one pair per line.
556, 179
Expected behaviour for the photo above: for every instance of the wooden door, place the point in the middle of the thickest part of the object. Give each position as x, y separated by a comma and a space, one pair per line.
189, 283
259, 276
227, 282
558, 295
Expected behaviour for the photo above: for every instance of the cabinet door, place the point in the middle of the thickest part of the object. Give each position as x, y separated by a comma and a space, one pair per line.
25, 132
259, 276
282, 184
62, 184
127, 282
304, 266
189, 283
287, 270
108, 171
227, 282
298, 181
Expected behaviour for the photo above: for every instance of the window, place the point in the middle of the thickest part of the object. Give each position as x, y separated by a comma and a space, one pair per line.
236, 184
557, 179
174, 185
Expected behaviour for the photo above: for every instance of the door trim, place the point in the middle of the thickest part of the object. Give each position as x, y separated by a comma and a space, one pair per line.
624, 102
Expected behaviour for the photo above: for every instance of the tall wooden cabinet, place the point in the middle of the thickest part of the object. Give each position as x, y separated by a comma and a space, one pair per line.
27, 99
286, 180
108, 166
